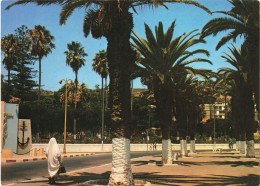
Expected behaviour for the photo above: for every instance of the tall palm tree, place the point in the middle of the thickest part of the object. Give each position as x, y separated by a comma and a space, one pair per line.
42, 45
164, 59
242, 95
241, 20
100, 65
9, 46
75, 58
113, 20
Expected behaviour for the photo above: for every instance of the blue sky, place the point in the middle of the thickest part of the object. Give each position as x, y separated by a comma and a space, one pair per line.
54, 68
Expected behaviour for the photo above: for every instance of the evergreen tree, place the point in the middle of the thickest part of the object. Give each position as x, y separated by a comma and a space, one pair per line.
22, 77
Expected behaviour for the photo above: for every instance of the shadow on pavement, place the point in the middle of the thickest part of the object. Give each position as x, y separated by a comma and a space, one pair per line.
71, 179
230, 163
155, 179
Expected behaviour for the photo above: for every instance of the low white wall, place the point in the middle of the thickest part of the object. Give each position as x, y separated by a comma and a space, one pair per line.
80, 148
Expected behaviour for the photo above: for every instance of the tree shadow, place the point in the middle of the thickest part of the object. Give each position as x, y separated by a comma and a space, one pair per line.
70, 179
154, 178
217, 163
251, 179
148, 162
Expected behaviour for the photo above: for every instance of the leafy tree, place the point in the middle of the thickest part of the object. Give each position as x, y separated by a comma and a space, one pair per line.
22, 78
42, 44
241, 20
165, 59
19, 60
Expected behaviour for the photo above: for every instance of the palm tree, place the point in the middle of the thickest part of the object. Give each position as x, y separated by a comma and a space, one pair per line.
241, 20
113, 20
100, 65
42, 45
75, 59
165, 59
242, 95
188, 97
184, 111
9, 46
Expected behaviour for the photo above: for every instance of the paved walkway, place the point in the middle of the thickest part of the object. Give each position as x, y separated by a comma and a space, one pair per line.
203, 168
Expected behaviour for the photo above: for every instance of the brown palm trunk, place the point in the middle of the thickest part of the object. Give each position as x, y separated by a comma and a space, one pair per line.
164, 101
40, 76
39, 97
75, 106
120, 60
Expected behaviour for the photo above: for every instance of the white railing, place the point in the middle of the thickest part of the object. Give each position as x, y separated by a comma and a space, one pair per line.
79, 148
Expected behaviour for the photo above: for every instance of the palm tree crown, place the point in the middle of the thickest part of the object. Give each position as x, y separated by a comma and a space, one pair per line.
9, 45
100, 63
42, 41
242, 20
75, 57
42, 44
163, 56
240, 69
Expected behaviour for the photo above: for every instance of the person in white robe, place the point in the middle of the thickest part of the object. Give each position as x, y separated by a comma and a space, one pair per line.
54, 159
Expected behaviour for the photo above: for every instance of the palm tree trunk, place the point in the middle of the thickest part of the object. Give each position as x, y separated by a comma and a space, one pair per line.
39, 98
7, 95
252, 43
75, 106
181, 117
192, 140
164, 108
238, 140
8, 78
106, 93
183, 144
103, 112
243, 144
193, 120
192, 146
120, 60
132, 96
250, 145
40, 76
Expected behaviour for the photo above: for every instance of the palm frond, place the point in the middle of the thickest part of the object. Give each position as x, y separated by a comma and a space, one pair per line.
191, 3
69, 7
196, 60
217, 25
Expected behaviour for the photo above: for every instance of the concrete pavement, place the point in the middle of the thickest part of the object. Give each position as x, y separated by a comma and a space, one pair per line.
203, 168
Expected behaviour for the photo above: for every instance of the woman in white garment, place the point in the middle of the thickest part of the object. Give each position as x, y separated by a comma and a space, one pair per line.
54, 159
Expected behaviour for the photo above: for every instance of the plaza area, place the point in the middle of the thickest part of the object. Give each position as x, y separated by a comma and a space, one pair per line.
202, 168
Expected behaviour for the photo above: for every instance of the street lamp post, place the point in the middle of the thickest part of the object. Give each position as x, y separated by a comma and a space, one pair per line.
65, 115
214, 129
103, 116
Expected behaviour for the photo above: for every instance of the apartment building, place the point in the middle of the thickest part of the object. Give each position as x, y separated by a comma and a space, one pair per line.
217, 110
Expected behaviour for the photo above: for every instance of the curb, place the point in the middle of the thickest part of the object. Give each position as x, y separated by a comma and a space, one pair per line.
16, 160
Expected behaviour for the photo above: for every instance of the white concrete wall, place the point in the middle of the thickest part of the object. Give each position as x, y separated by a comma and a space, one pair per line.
80, 148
